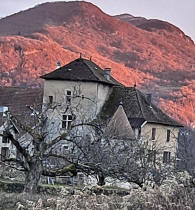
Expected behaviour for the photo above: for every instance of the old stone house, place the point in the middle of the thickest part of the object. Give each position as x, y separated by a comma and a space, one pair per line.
126, 111
83, 91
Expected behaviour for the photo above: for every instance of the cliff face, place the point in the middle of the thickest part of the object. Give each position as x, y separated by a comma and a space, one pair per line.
155, 54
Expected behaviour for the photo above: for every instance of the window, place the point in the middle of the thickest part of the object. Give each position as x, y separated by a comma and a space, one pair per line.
4, 153
4, 138
50, 99
139, 133
66, 121
168, 135
68, 97
152, 156
65, 147
153, 133
166, 157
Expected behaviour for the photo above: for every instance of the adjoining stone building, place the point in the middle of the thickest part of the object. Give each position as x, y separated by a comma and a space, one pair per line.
149, 122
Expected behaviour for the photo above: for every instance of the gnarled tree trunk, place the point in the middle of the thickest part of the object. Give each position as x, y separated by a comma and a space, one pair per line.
101, 179
33, 176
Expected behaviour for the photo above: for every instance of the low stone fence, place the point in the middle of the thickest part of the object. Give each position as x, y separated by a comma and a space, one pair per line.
9, 187
16, 187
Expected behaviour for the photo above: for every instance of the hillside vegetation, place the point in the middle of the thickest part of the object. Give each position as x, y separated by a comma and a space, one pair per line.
154, 54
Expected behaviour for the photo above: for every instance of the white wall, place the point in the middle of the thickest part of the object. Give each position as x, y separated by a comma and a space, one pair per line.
94, 95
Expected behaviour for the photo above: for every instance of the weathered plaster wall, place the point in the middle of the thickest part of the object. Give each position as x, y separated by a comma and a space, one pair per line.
94, 95
160, 142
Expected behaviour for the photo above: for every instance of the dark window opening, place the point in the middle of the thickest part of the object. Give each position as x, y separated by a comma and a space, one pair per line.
166, 157
50, 99
4, 138
152, 156
65, 147
66, 121
139, 133
4, 153
68, 97
168, 135
153, 133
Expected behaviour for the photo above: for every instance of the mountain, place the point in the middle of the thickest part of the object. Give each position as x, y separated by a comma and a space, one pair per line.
154, 54
153, 25
131, 19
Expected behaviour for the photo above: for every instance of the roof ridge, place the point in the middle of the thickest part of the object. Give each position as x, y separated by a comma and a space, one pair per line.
84, 60
91, 73
139, 102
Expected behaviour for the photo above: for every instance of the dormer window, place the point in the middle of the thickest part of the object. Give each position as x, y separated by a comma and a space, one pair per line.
68, 97
66, 121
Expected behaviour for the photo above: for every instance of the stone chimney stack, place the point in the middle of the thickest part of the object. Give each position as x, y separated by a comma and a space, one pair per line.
58, 65
107, 73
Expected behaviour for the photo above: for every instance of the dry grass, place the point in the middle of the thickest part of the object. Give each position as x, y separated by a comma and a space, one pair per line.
167, 197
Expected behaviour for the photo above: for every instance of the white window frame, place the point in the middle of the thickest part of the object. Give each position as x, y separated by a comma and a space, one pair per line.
66, 121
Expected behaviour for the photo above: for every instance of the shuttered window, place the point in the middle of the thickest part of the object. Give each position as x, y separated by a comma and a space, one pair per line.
166, 157
168, 135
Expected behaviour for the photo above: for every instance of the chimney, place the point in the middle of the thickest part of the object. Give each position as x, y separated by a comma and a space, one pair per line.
107, 73
149, 98
58, 65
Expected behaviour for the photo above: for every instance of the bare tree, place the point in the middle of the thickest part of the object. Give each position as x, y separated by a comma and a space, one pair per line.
127, 160
42, 144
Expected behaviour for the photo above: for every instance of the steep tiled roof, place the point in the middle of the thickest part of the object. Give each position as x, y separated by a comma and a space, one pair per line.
80, 70
17, 99
136, 107
136, 122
